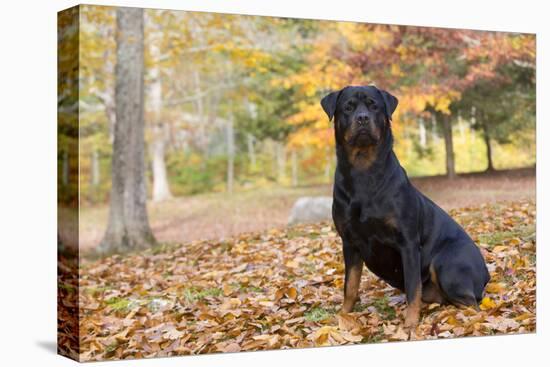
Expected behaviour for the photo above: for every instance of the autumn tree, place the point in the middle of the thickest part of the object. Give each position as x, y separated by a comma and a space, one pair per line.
502, 108
128, 226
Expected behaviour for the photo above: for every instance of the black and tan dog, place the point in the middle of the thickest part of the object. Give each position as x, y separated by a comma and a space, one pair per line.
385, 222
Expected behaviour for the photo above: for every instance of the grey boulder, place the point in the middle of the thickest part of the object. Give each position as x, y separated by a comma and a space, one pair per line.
309, 209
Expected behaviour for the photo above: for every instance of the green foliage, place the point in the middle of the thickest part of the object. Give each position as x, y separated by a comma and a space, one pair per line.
268, 74
318, 314
382, 306
191, 174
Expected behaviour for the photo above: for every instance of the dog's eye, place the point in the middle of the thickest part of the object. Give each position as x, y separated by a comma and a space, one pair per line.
348, 107
372, 105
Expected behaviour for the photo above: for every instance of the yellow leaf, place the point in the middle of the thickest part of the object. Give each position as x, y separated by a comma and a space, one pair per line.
279, 294
227, 289
291, 293
452, 321
500, 248
494, 287
523, 316
230, 303
292, 264
487, 304
321, 336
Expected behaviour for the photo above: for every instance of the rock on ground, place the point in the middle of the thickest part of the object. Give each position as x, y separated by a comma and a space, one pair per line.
309, 209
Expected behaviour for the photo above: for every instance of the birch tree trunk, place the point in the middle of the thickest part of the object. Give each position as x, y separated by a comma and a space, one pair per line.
230, 142
128, 226
161, 189
199, 107
251, 151
422, 133
449, 151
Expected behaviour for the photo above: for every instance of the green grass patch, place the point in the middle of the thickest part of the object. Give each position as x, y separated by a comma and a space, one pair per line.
253, 289
318, 314
119, 304
359, 307
384, 309
162, 248
374, 338
294, 232
496, 238
194, 294
111, 347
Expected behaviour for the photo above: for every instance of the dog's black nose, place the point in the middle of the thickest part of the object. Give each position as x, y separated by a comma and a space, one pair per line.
362, 118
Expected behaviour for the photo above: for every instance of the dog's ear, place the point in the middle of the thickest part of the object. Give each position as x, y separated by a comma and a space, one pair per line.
329, 103
390, 103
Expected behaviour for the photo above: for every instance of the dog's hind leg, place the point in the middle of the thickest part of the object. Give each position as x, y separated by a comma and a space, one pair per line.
458, 279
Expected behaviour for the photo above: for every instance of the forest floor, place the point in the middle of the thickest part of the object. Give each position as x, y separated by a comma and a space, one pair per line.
218, 215
282, 288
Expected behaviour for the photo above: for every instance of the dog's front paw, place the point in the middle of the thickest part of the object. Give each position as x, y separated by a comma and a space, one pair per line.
411, 320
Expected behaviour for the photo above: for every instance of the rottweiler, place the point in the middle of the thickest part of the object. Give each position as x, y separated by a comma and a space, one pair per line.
385, 222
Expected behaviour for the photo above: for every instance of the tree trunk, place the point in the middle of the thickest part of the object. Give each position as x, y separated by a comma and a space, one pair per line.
161, 189
294, 168
487, 139
251, 151
128, 226
449, 152
199, 107
65, 168
422, 133
95, 168
230, 142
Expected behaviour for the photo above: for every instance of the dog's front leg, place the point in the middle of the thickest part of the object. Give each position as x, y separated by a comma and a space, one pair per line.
354, 268
410, 256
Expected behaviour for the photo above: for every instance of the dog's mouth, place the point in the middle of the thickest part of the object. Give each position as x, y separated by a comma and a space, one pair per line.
363, 137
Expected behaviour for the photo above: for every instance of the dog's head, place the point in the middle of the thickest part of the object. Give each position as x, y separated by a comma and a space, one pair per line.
362, 116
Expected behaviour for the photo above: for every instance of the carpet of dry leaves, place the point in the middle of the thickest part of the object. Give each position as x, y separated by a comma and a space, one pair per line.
282, 289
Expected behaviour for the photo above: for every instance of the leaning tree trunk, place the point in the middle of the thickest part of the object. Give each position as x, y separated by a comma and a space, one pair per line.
487, 139
128, 226
449, 151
